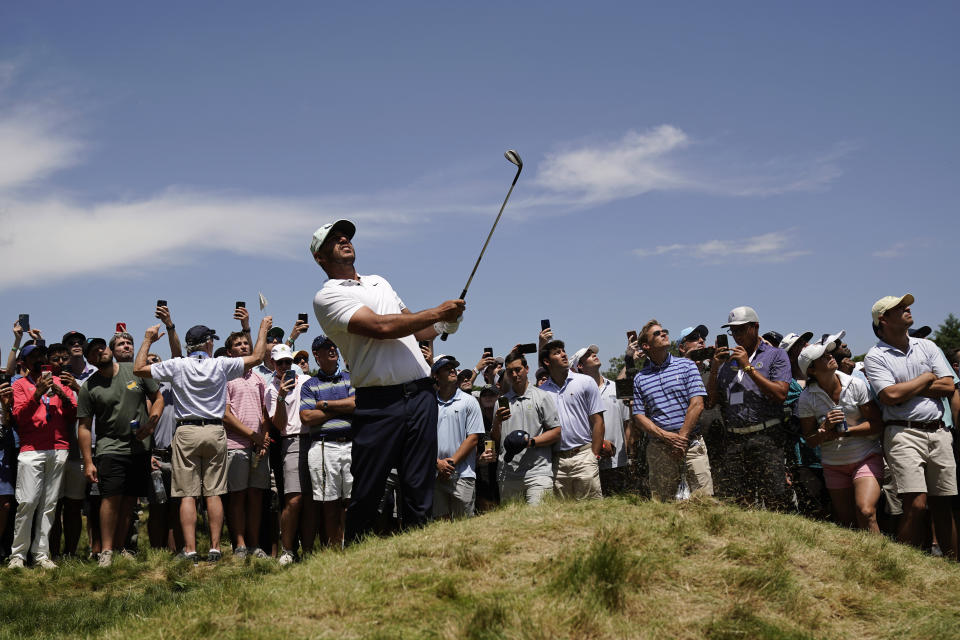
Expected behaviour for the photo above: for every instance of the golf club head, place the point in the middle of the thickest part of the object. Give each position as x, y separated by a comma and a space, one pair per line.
513, 157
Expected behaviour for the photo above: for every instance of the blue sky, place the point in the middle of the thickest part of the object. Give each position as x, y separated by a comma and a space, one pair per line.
679, 161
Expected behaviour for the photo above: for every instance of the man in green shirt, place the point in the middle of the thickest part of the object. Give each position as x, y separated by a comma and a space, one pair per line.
126, 409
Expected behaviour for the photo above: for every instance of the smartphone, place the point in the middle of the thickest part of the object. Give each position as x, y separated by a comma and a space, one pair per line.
161, 303
24, 321
702, 354
624, 389
488, 352
289, 375
631, 335
424, 343
302, 317
722, 342
503, 402
544, 324
241, 305
121, 327
46, 370
530, 347
4, 377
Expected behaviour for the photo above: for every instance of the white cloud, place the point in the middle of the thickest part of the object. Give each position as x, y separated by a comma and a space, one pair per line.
655, 161
32, 147
768, 247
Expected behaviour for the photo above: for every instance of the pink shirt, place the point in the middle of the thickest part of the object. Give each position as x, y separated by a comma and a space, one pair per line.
42, 425
245, 398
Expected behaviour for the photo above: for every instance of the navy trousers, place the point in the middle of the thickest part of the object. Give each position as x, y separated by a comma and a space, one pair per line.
395, 429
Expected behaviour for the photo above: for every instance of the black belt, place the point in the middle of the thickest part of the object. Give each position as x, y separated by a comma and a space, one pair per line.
324, 437
200, 422
395, 391
924, 425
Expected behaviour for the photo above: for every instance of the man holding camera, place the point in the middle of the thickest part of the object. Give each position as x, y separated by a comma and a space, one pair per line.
750, 384
533, 412
581, 418
199, 385
283, 407
667, 401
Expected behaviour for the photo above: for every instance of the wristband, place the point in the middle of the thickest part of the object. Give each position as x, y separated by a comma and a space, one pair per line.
171, 327
748, 368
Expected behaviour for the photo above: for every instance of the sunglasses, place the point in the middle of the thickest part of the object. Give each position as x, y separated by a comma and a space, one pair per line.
300, 360
659, 332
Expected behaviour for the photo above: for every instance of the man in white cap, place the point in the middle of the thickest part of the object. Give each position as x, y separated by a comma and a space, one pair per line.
614, 464
910, 378
750, 384
395, 425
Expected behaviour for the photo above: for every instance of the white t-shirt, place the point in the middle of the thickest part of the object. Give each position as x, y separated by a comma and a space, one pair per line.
292, 400
816, 403
372, 362
615, 413
199, 384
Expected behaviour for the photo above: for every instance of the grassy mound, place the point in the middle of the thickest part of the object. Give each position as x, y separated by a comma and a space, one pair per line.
619, 568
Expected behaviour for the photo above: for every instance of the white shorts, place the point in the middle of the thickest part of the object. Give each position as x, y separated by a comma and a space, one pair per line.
329, 464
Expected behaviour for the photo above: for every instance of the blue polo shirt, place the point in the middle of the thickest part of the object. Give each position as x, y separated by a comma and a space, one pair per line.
323, 387
457, 418
663, 393
743, 403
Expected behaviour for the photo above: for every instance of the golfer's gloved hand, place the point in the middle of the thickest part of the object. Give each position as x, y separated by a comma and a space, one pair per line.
447, 327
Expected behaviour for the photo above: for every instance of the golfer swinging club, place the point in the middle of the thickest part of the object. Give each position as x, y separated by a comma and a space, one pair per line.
395, 423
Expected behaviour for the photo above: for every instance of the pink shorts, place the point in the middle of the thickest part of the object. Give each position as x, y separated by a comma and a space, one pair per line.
841, 476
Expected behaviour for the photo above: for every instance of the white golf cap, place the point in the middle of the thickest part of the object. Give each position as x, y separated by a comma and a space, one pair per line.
741, 315
832, 337
281, 352
321, 234
580, 354
886, 303
815, 351
792, 338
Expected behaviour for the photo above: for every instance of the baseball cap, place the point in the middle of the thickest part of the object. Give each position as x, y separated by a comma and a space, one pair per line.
275, 332
922, 332
91, 343
816, 350
303, 353
886, 303
321, 234
489, 390
200, 333
582, 353
30, 348
464, 374
319, 342
73, 335
441, 362
791, 339
694, 333
773, 338
281, 352
741, 315
514, 443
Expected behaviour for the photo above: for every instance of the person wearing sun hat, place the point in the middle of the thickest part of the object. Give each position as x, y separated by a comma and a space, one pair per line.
836, 412
910, 377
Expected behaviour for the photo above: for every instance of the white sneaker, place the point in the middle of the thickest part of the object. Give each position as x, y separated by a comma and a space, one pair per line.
286, 558
260, 554
15, 563
46, 563
105, 559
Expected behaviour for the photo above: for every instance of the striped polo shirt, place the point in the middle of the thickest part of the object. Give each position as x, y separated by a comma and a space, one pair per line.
323, 387
663, 393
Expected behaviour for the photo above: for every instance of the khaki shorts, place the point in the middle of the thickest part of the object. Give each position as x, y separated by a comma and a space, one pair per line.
199, 464
329, 464
665, 470
296, 470
530, 488
921, 461
578, 476
240, 472
454, 497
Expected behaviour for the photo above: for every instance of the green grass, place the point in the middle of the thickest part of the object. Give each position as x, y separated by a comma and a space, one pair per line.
620, 568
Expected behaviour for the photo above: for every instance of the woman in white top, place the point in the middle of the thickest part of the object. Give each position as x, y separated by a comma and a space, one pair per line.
852, 459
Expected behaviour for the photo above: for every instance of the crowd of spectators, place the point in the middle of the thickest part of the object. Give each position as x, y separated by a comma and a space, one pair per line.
258, 436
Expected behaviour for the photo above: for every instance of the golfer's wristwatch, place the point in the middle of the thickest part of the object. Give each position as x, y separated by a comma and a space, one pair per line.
324, 405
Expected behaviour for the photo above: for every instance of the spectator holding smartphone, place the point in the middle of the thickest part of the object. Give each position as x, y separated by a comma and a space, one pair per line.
43, 411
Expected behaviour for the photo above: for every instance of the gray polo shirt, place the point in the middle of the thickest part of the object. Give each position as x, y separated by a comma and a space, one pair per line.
534, 412
885, 365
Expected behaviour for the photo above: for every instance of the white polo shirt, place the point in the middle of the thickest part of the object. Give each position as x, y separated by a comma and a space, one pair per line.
615, 413
292, 400
199, 384
372, 362
815, 403
577, 400
885, 365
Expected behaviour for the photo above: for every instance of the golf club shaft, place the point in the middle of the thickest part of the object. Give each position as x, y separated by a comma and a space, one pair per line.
463, 295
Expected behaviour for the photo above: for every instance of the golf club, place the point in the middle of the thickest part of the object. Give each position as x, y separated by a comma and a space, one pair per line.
514, 158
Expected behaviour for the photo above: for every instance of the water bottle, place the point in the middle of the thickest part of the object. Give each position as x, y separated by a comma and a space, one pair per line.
159, 492
842, 427
134, 426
